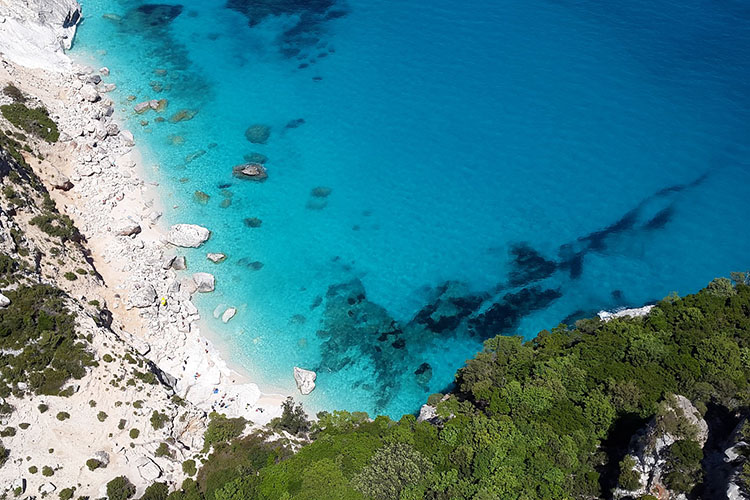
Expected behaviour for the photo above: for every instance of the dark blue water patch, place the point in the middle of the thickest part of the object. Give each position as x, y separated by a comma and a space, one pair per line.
529, 265
661, 219
157, 15
309, 25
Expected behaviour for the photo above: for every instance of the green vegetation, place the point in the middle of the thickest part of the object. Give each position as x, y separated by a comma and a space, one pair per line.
43, 408
188, 467
533, 420
63, 415
159, 420
134, 433
292, 420
67, 493
38, 344
33, 469
35, 121
120, 488
47, 471
58, 226
221, 429
14, 93
101, 416
163, 450
157, 491
94, 464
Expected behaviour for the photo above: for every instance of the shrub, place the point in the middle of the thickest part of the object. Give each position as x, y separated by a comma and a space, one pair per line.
14, 93
391, 469
42, 408
158, 420
63, 415
94, 464
120, 488
67, 493
8, 432
35, 121
163, 450
70, 276
33, 469
221, 429
47, 471
134, 433
157, 491
121, 424
24, 425
4, 452
188, 467
101, 416
293, 418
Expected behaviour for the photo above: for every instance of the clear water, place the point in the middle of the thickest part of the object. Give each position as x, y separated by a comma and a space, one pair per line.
548, 158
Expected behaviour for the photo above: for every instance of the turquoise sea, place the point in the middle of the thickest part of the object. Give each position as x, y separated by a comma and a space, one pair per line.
438, 172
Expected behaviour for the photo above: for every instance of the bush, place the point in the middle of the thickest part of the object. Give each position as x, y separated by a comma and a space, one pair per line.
42, 408
163, 450
70, 276
188, 467
293, 418
120, 488
33, 469
157, 491
14, 93
101, 416
221, 429
63, 415
391, 469
159, 420
134, 433
67, 493
35, 121
47, 471
8, 432
94, 464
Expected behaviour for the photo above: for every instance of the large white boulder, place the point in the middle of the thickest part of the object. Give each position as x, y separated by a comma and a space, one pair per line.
228, 314
148, 469
305, 380
143, 296
4, 301
188, 235
205, 282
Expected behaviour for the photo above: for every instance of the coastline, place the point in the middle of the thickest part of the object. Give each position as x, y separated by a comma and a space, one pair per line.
110, 196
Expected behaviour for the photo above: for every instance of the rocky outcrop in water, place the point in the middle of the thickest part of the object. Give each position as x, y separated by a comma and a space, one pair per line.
250, 171
305, 380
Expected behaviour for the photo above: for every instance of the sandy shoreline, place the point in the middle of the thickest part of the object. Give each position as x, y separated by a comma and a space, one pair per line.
109, 196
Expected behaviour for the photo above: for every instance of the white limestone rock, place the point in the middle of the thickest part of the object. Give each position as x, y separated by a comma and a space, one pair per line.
143, 296
128, 227
305, 380
148, 469
216, 257
634, 313
47, 489
188, 235
204, 282
4, 301
228, 314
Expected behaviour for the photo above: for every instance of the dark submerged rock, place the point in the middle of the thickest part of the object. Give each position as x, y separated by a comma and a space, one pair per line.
258, 133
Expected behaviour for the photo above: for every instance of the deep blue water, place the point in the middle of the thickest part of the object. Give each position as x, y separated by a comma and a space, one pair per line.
494, 167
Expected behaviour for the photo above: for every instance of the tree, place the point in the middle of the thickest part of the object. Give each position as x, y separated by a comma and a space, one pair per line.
391, 469
293, 418
120, 488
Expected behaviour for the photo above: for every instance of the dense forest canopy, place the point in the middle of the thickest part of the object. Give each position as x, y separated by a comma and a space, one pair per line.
551, 418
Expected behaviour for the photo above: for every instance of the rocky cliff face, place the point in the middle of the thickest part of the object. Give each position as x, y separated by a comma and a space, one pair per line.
35, 33
657, 451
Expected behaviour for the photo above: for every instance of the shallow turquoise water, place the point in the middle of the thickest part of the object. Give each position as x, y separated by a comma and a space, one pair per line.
547, 158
